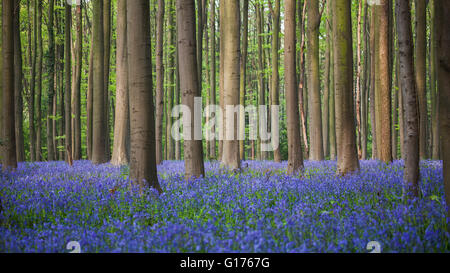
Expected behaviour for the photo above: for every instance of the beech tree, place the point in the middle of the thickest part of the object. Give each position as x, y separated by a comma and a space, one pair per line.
189, 85
295, 157
347, 157
142, 123
409, 98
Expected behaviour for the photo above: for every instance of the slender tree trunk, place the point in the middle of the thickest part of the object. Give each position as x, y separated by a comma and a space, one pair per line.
326, 93
68, 80
18, 88
358, 80
261, 84
373, 119
315, 111
89, 103
159, 82
39, 53
212, 97
107, 61
171, 88
343, 76
51, 81
99, 122
274, 90
295, 157
121, 152
76, 101
421, 74
433, 86
189, 85
31, 102
243, 79
365, 84
384, 91
409, 97
442, 23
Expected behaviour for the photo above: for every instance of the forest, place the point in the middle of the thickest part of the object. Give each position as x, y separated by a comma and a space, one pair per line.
225, 126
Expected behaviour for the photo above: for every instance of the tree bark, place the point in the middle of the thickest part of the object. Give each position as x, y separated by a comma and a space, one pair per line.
421, 74
243, 79
212, 96
384, 91
312, 54
442, 23
230, 37
18, 87
106, 68
295, 156
39, 53
99, 153
409, 98
10, 159
159, 81
189, 85
143, 157
121, 150
76, 101
343, 76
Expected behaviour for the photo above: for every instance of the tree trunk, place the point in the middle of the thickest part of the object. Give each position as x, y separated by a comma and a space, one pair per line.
409, 98
433, 86
212, 96
18, 88
243, 80
31, 102
373, 46
106, 68
121, 152
189, 86
68, 80
295, 156
99, 122
159, 82
89, 103
421, 74
142, 124
313, 79
442, 23
51, 81
39, 53
171, 88
261, 84
275, 100
343, 76
10, 159
384, 91
230, 37
326, 93
358, 80
76, 101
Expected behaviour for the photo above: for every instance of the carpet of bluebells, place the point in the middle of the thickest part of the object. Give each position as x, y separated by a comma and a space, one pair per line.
260, 209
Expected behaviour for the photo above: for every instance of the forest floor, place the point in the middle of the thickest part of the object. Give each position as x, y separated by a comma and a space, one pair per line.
261, 209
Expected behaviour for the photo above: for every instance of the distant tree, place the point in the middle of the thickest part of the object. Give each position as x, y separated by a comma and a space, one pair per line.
243, 79
18, 86
51, 80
